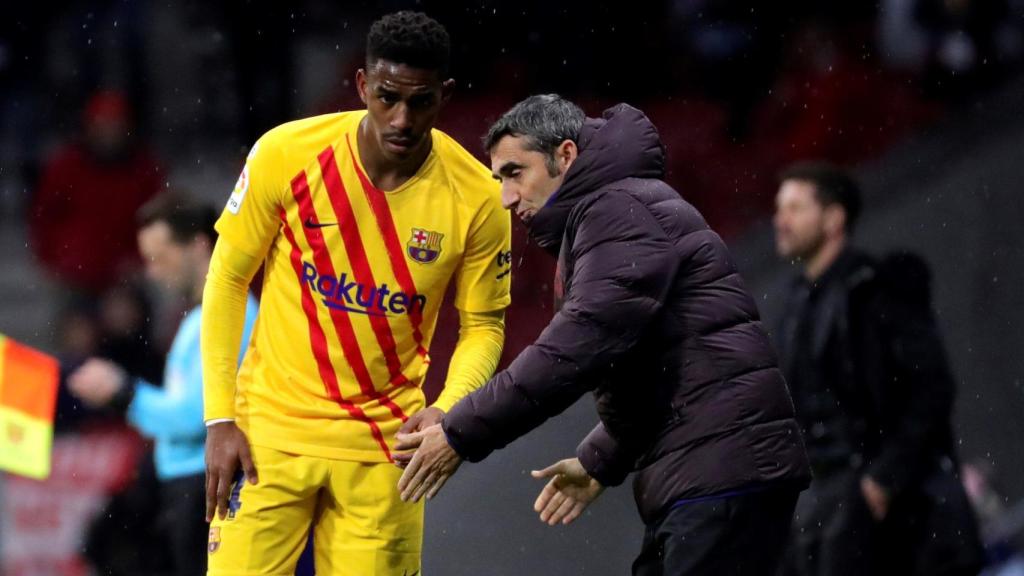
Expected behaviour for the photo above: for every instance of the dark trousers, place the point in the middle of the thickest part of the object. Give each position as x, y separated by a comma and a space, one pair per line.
929, 530
742, 535
833, 531
183, 508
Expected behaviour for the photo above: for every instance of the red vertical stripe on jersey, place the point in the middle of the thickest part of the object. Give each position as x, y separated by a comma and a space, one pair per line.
319, 343
342, 323
357, 257
386, 224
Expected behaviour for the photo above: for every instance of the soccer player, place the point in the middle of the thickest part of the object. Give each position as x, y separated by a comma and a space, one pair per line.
361, 219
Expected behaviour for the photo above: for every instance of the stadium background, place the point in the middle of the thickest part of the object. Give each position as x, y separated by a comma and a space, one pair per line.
923, 98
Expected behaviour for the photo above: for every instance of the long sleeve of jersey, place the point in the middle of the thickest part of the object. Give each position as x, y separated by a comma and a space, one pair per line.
223, 321
481, 338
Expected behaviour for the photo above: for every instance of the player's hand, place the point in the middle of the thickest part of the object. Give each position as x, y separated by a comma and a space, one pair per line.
226, 449
96, 382
567, 494
422, 420
876, 496
430, 466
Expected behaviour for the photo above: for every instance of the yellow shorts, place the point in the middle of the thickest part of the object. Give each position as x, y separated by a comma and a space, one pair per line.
360, 525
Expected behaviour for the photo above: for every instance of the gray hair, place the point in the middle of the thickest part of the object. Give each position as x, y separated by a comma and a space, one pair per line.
544, 121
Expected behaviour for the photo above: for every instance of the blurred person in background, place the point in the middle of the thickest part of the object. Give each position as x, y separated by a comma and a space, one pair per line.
873, 393
963, 55
653, 318
176, 241
362, 220
82, 216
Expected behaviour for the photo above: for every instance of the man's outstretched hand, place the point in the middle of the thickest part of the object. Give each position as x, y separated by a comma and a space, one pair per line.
227, 448
429, 467
567, 494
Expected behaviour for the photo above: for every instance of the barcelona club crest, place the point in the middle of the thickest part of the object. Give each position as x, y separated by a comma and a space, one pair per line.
424, 246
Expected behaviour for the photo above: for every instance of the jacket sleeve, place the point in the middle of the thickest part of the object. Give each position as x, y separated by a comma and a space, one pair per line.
624, 265
605, 458
918, 393
159, 414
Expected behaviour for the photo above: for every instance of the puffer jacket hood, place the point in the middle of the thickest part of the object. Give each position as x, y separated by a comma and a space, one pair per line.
621, 144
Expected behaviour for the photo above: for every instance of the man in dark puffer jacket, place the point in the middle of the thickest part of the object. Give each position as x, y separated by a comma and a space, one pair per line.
656, 321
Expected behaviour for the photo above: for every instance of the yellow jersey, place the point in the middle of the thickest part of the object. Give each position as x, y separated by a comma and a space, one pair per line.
354, 278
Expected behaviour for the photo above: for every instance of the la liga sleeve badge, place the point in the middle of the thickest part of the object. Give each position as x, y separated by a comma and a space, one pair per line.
214, 542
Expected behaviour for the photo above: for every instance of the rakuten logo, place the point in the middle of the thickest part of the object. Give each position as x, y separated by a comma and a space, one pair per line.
342, 294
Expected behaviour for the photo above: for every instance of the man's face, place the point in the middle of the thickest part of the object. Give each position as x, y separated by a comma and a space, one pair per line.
799, 220
403, 104
166, 261
526, 181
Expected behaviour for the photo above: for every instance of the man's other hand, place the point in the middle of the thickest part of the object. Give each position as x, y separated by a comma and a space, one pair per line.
417, 423
429, 467
567, 494
876, 496
227, 448
422, 420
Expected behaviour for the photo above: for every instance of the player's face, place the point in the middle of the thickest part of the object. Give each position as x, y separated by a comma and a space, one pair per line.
527, 182
403, 105
165, 259
799, 220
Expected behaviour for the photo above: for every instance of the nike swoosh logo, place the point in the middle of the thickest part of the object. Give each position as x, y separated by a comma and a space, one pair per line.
310, 224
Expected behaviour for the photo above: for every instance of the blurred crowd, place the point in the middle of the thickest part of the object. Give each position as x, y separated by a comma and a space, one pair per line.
105, 104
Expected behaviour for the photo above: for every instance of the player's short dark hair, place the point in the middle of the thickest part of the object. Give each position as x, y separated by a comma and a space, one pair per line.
832, 185
186, 219
544, 121
410, 38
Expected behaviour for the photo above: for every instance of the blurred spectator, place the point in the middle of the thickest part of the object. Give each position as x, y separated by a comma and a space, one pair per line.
735, 49
873, 393
82, 215
176, 242
962, 54
902, 41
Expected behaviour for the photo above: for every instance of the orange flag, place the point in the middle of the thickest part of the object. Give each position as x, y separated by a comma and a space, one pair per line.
28, 396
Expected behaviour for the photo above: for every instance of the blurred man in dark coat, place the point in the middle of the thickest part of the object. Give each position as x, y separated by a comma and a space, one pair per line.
873, 392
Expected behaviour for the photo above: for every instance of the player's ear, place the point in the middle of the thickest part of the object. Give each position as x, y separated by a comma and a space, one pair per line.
447, 89
361, 84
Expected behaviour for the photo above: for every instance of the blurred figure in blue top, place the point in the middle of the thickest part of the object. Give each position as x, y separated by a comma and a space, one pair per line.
176, 240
